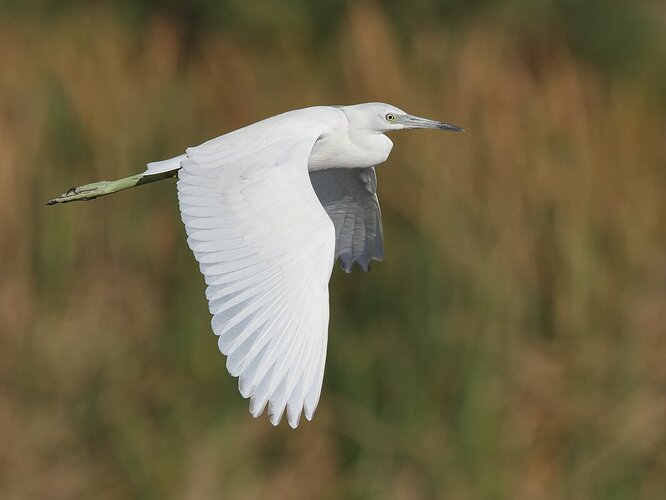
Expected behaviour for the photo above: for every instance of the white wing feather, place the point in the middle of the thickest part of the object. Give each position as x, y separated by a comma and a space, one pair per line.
266, 248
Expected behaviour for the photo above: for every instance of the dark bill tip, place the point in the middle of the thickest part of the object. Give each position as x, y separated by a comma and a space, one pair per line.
450, 128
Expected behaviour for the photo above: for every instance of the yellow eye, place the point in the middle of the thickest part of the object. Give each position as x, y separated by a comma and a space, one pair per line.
390, 117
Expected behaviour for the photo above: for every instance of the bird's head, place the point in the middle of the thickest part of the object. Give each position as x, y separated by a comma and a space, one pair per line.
380, 117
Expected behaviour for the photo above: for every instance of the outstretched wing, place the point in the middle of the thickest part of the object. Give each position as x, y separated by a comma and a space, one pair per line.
266, 249
350, 199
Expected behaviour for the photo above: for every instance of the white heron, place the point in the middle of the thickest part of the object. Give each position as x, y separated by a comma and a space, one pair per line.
268, 208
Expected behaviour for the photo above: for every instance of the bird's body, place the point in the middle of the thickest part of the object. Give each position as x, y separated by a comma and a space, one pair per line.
338, 144
268, 208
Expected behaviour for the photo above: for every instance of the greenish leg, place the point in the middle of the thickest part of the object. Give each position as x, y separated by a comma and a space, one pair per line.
102, 188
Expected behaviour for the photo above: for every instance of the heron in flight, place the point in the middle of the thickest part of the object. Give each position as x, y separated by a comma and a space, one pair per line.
268, 209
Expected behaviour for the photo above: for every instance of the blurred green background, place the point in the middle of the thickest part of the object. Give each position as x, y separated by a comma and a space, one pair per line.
513, 344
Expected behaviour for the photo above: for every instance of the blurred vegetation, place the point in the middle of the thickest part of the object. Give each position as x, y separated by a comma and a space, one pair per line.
511, 346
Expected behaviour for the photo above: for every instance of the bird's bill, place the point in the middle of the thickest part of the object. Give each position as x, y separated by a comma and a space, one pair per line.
418, 122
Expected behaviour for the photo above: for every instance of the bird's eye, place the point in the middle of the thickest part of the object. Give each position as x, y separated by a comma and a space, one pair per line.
390, 117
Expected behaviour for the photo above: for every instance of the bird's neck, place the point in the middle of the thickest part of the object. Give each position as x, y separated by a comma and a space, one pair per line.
349, 150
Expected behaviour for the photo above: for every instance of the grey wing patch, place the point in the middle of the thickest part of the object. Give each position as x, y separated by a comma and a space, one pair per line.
349, 196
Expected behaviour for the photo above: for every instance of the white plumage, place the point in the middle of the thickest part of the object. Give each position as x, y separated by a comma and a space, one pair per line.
267, 210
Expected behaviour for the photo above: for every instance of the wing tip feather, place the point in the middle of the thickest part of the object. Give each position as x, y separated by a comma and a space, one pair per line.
206, 232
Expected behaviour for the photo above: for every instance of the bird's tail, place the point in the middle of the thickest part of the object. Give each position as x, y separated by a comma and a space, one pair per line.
161, 167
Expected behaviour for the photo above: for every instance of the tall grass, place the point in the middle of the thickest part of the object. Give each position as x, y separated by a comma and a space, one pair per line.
511, 346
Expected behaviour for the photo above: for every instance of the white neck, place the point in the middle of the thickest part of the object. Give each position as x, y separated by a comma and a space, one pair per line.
343, 147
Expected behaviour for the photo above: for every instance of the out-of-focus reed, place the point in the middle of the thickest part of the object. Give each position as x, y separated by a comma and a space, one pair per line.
511, 346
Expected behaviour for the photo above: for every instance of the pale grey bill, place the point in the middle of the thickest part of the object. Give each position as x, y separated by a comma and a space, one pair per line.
418, 122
